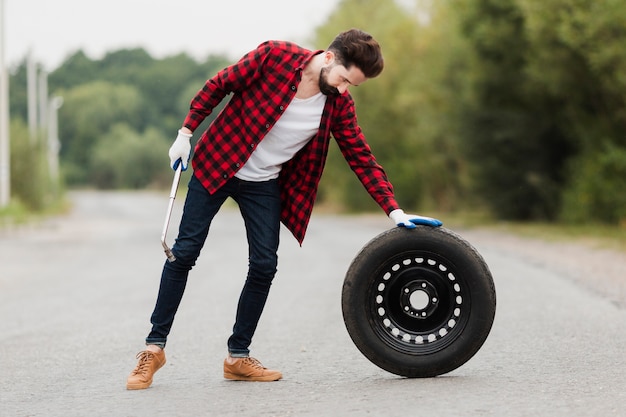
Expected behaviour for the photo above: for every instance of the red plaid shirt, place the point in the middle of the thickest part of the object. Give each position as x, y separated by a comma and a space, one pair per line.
263, 84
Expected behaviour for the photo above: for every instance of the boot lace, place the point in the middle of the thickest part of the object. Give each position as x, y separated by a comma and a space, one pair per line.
145, 358
254, 363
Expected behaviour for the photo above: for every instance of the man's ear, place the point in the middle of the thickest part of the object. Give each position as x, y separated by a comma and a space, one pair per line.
329, 57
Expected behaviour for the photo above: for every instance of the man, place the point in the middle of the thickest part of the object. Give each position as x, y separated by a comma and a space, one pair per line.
266, 150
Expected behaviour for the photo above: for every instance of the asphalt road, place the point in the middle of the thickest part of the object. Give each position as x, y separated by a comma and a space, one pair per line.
76, 293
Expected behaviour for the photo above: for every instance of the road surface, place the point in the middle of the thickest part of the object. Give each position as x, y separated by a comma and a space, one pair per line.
76, 293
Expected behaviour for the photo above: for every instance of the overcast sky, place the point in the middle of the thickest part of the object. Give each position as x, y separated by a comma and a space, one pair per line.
54, 29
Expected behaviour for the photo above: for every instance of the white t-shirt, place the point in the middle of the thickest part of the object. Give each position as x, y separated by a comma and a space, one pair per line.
298, 124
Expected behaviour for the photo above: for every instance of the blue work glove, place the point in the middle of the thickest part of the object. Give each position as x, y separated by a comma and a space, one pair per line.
180, 151
410, 220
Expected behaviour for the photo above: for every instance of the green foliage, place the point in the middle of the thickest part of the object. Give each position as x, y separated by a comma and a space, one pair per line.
77, 69
30, 183
597, 189
122, 158
87, 114
18, 93
517, 163
514, 105
376, 120
514, 150
126, 87
499, 98
546, 87
572, 66
405, 113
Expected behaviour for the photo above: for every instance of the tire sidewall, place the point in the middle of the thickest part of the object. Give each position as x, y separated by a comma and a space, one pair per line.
468, 264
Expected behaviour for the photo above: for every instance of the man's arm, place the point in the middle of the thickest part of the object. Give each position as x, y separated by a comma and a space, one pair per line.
358, 154
232, 79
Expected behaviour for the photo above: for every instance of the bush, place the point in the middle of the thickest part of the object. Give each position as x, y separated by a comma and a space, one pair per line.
596, 193
125, 159
30, 183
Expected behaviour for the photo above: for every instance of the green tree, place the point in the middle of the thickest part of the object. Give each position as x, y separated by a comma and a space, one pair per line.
123, 158
18, 100
77, 69
404, 112
517, 151
88, 112
576, 60
597, 192
547, 98
126, 86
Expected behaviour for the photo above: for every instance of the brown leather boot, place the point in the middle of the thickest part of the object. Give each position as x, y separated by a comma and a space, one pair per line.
149, 363
248, 369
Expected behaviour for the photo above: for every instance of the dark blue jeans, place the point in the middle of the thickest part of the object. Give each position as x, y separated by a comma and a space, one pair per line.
259, 203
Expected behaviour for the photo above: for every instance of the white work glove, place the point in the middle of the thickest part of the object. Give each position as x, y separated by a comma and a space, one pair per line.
180, 151
410, 220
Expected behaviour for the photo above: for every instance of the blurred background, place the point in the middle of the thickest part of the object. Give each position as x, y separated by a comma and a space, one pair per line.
514, 109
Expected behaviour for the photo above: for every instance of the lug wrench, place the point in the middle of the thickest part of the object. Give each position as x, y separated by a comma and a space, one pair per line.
168, 252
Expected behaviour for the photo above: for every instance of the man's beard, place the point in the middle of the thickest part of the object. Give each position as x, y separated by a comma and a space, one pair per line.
326, 88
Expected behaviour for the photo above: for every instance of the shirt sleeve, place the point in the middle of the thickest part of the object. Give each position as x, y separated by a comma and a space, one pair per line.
231, 79
358, 154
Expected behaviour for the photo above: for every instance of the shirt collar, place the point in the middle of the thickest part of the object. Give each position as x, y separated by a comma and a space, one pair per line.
305, 59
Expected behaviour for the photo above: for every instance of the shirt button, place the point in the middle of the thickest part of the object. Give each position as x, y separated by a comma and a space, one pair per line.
237, 164
282, 108
267, 126
225, 176
293, 88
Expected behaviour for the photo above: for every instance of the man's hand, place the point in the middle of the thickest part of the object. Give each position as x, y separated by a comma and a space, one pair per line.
180, 151
410, 220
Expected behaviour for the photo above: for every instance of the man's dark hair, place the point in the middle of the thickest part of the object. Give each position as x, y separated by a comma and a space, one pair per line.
355, 47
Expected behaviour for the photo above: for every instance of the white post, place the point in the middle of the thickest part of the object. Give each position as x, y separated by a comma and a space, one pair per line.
54, 145
5, 172
31, 93
42, 90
